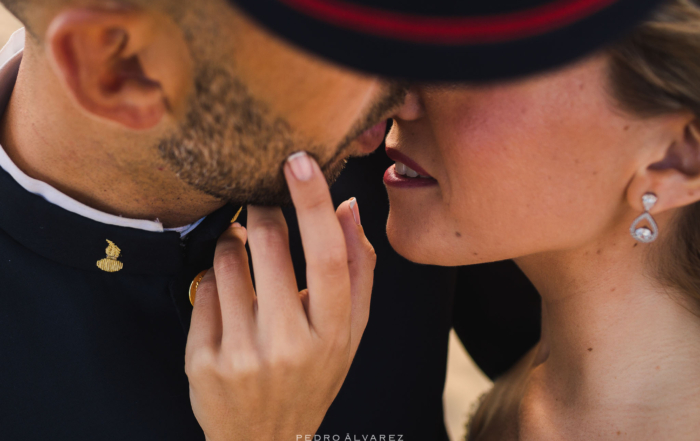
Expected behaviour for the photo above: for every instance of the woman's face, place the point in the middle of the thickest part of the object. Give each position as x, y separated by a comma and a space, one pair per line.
536, 165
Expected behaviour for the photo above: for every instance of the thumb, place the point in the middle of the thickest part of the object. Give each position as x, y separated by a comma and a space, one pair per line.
361, 263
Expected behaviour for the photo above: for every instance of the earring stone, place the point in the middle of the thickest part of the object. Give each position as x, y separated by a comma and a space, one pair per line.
645, 234
648, 201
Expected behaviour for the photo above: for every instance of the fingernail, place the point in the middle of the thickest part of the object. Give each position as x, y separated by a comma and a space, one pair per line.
355, 210
301, 166
240, 231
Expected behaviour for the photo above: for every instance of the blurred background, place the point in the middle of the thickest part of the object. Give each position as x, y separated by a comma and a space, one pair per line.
8, 24
465, 382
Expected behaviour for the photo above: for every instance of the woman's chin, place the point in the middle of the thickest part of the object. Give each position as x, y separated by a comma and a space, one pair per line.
406, 250
425, 245
416, 246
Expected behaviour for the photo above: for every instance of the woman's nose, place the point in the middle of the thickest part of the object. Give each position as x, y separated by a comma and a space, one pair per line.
412, 107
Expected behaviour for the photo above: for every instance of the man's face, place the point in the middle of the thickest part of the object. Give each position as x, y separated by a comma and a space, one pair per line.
257, 99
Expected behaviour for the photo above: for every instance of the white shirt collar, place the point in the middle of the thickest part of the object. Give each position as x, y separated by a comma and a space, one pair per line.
10, 58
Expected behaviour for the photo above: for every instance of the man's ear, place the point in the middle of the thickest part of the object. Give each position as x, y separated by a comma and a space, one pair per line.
123, 65
675, 179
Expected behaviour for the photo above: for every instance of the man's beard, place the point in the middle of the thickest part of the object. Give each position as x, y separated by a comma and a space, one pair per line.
230, 148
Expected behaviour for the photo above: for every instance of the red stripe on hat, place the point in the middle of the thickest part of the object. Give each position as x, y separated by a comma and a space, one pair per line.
449, 30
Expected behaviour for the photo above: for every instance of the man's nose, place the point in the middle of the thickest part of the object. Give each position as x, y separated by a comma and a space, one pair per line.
412, 107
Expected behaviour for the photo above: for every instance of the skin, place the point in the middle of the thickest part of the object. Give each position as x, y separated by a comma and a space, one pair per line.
267, 364
100, 87
550, 172
105, 86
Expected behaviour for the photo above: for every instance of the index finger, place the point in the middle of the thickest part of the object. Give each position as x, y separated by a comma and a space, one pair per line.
327, 273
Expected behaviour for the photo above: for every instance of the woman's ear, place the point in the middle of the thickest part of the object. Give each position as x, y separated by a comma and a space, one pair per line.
675, 179
123, 65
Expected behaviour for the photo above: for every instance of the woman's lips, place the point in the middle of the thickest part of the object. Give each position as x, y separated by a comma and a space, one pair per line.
393, 179
397, 156
372, 138
414, 177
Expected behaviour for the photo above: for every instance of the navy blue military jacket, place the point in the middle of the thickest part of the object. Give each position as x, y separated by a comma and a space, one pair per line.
88, 354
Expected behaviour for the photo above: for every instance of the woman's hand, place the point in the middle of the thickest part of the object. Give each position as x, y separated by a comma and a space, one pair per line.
266, 364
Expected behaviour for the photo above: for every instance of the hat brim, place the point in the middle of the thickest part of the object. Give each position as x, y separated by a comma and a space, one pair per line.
449, 48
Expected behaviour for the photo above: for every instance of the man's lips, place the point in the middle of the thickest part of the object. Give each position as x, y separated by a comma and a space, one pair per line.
367, 142
372, 138
400, 157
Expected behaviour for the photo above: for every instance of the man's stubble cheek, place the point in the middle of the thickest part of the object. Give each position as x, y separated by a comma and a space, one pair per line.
231, 148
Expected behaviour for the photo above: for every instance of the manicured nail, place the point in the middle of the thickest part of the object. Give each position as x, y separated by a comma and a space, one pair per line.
355, 211
301, 166
240, 230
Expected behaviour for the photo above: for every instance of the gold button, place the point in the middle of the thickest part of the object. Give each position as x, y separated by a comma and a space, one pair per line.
195, 284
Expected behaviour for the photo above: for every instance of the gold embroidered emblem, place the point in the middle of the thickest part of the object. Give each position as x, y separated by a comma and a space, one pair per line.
237, 214
110, 263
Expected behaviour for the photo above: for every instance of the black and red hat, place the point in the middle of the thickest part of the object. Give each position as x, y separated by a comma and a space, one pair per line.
450, 40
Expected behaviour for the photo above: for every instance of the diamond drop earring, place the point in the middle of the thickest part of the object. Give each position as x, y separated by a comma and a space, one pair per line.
646, 234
